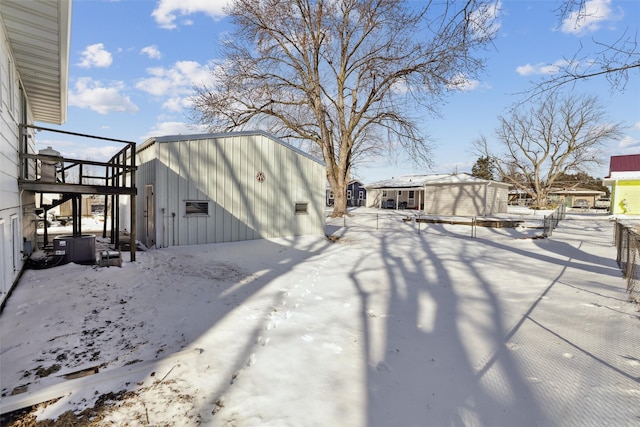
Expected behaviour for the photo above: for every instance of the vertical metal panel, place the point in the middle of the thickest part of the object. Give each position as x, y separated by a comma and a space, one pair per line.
223, 170
209, 165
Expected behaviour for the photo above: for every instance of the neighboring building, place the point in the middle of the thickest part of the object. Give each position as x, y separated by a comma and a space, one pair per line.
34, 62
624, 180
445, 194
213, 188
575, 197
356, 194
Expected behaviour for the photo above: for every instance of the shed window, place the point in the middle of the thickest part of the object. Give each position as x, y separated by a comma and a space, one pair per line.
196, 208
302, 208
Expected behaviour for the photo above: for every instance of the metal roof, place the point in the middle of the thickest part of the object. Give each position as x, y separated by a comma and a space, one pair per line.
629, 163
39, 33
193, 137
417, 181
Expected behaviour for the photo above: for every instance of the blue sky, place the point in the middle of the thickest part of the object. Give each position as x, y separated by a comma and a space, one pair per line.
133, 64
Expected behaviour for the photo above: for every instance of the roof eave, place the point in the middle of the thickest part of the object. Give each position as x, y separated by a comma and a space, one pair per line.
39, 35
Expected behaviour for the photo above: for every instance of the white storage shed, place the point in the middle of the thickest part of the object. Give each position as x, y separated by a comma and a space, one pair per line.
210, 188
444, 194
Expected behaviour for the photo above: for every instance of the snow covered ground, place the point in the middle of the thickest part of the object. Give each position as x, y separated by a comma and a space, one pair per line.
389, 323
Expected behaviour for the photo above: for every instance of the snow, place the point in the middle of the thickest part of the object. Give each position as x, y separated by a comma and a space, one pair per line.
388, 323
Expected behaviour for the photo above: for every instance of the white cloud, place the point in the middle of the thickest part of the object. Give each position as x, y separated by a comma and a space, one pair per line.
95, 55
636, 126
484, 20
176, 82
177, 104
168, 11
590, 18
629, 142
463, 84
542, 68
91, 94
175, 128
151, 51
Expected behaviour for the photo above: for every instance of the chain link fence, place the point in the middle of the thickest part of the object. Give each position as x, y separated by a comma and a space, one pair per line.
461, 226
628, 256
551, 221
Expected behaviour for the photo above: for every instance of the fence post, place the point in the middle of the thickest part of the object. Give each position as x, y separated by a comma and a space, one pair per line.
377, 218
627, 270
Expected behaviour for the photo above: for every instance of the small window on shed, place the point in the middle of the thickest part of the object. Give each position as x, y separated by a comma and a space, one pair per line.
196, 208
302, 208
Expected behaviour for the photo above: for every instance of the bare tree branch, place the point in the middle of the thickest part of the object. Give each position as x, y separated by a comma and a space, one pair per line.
348, 78
614, 61
538, 146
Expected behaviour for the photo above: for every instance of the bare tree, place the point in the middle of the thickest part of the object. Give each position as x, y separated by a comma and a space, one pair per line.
541, 145
616, 61
349, 78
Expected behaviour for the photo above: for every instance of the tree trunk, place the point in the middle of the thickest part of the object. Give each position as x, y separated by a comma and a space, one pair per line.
339, 202
338, 182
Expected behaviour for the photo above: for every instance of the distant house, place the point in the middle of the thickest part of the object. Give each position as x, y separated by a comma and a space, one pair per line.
443, 194
624, 180
212, 188
356, 194
575, 197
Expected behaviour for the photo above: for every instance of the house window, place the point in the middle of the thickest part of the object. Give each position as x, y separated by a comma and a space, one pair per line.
411, 194
384, 193
196, 208
399, 192
301, 208
361, 195
348, 194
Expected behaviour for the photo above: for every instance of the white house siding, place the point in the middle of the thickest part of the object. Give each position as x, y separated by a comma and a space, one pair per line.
17, 210
465, 199
222, 170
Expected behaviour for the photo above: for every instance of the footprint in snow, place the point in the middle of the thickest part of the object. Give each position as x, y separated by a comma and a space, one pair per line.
381, 367
335, 348
512, 346
251, 360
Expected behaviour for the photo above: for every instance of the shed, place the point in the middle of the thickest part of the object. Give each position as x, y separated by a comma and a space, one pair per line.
211, 188
441, 194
